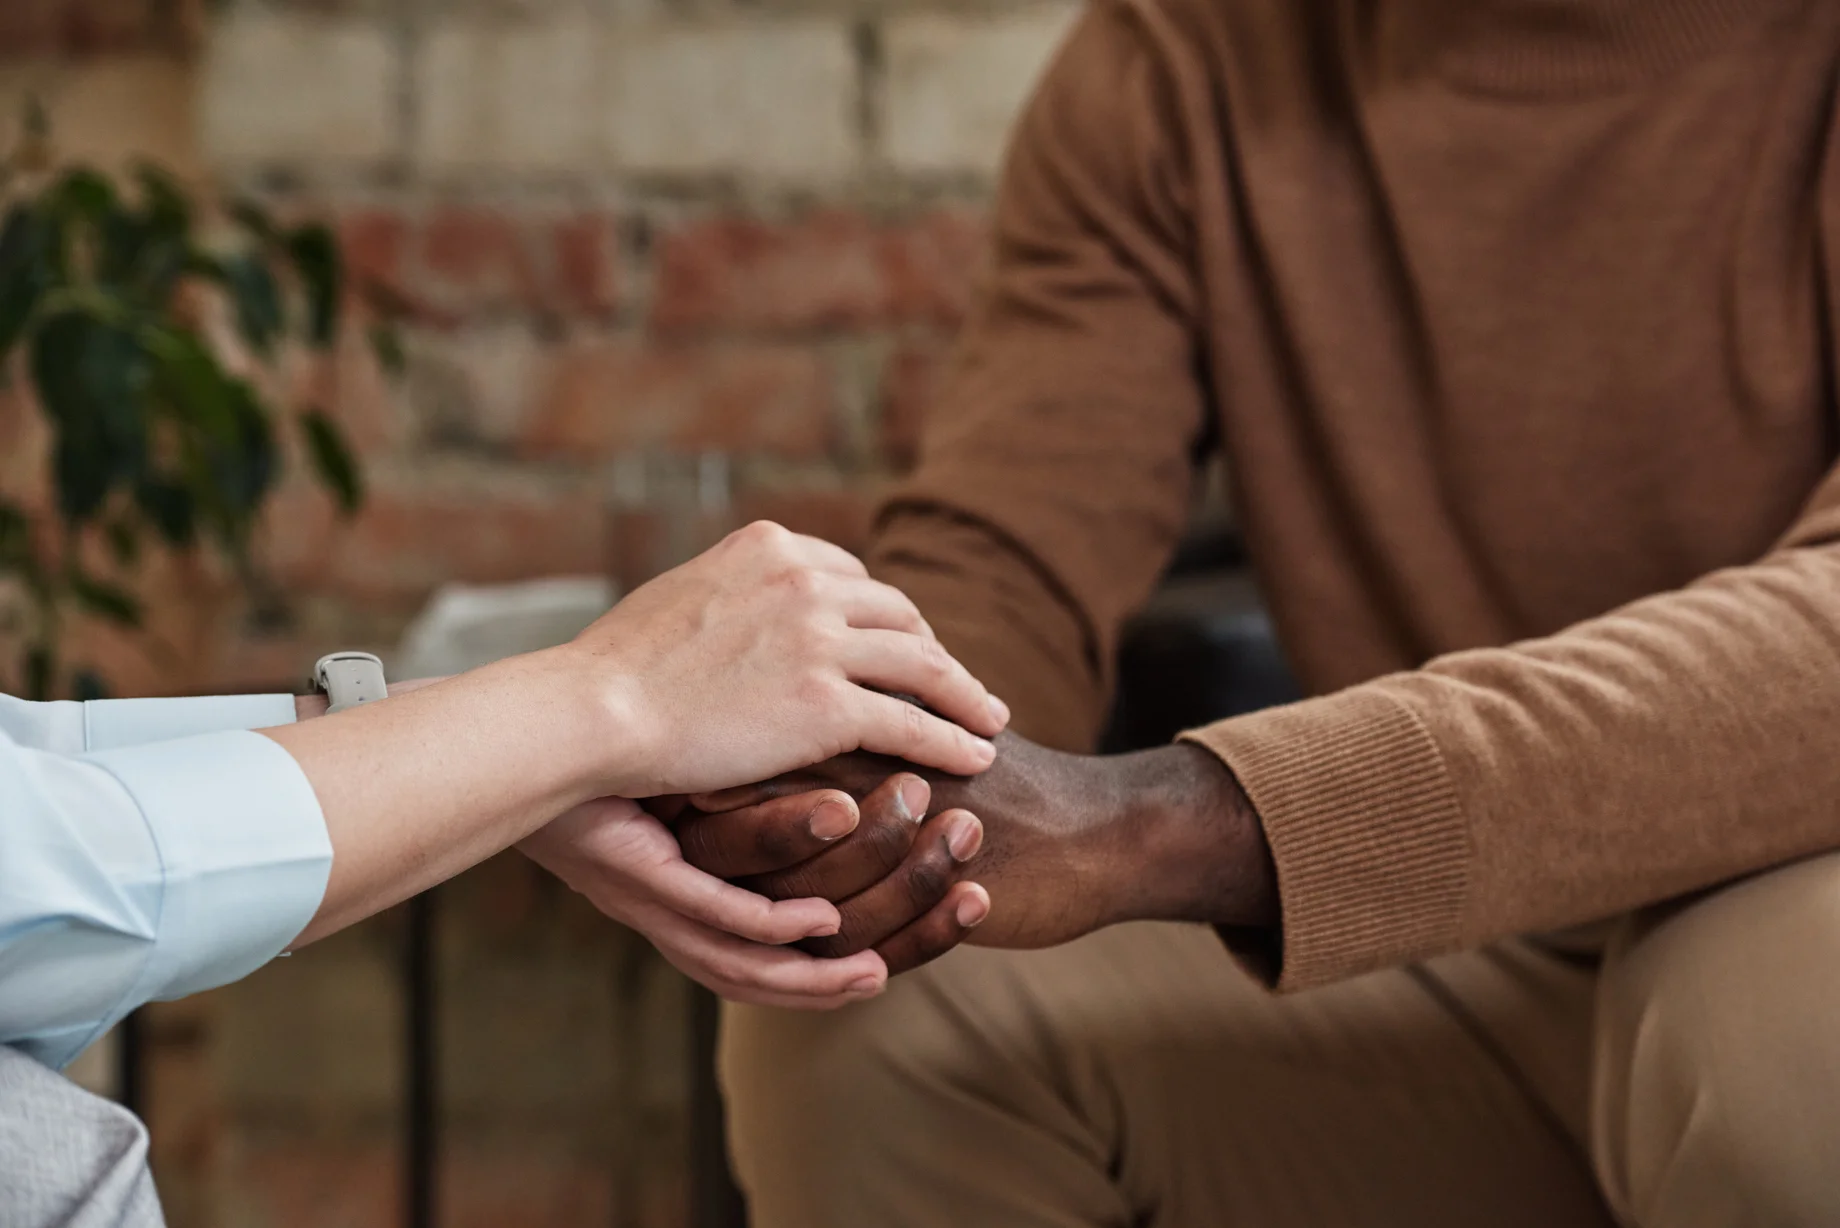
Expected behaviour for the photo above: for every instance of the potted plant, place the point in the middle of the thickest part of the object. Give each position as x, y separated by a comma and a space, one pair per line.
161, 436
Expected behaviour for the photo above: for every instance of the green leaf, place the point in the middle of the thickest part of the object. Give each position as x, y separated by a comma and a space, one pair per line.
238, 471
81, 466
192, 382
257, 300
25, 269
124, 543
82, 194
386, 344
92, 378
162, 200
332, 460
109, 602
15, 536
255, 219
316, 258
170, 507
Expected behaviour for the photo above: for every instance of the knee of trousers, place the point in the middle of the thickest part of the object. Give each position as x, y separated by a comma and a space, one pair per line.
867, 1092
1716, 1084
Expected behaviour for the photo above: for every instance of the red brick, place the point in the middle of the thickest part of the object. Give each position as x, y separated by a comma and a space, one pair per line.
474, 259
932, 266
349, 385
609, 397
583, 253
408, 539
375, 243
78, 27
837, 515
460, 262
910, 381
828, 270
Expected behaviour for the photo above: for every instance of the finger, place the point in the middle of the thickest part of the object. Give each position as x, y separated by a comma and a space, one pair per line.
824, 556
891, 815
733, 910
947, 924
890, 726
667, 808
921, 667
734, 966
945, 842
741, 797
773, 835
872, 605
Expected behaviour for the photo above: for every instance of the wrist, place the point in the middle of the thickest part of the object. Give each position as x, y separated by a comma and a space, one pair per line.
1201, 851
611, 746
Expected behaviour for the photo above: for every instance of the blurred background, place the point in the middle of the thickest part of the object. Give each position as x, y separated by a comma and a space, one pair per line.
656, 267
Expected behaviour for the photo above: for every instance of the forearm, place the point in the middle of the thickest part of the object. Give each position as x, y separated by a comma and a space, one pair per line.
422, 785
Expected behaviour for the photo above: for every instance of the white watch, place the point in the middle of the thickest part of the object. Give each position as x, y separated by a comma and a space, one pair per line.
349, 679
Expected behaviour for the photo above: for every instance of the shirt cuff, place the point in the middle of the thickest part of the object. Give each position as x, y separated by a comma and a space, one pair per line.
1364, 827
243, 849
109, 724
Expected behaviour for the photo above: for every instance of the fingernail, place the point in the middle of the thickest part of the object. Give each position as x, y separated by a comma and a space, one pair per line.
832, 820
999, 710
864, 985
972, 910
825, 930
913, 797
965, 839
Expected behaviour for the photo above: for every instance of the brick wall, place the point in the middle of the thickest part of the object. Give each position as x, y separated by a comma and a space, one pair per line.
629, 232
632, 233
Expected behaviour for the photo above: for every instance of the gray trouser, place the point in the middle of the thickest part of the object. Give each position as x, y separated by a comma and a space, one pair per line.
68, 1159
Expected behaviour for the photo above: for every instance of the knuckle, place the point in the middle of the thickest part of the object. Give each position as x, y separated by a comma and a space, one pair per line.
887, 842
806, 583
927, 881
780, 886
695, 842
731, 968
798, 883
913, 724
775, 843
762, 533
936, 659
816, 690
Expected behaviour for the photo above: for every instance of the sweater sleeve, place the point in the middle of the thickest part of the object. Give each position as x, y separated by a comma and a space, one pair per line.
1057, 460
1672, 744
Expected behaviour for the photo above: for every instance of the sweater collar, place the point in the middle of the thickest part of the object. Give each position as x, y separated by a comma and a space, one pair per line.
1568, 46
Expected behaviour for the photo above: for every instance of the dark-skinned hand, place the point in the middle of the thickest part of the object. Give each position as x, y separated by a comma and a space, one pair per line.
1069, 843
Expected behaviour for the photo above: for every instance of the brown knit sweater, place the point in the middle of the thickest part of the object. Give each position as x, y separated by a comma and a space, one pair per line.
1514, 320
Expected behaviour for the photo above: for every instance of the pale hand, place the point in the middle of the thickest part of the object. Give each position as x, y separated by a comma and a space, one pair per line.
769, 652
733, 941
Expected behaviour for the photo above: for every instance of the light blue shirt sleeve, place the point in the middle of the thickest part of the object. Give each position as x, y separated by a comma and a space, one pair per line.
148, 849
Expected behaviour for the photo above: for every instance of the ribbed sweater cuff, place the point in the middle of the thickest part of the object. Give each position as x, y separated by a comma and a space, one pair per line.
1370, 846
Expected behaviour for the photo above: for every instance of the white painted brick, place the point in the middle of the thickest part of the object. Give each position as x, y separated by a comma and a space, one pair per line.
774, 99
954, 84
286, 89
113, 110
522, 97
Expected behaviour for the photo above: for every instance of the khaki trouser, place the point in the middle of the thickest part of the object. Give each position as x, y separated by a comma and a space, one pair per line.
1137, 1078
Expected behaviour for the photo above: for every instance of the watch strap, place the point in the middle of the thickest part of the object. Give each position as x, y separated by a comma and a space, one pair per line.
349, 679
